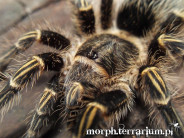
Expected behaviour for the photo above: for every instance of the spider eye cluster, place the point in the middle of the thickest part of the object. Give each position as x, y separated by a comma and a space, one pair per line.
92, 55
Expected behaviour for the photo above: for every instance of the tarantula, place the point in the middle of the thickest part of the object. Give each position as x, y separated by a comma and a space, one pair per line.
129, 49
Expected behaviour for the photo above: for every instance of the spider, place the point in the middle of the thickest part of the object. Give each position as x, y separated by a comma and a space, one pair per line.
128, 50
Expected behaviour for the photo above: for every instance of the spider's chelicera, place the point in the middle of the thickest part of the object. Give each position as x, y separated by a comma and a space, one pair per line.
129, 54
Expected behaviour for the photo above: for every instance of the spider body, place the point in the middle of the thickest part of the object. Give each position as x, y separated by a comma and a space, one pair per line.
95, 66
134, 55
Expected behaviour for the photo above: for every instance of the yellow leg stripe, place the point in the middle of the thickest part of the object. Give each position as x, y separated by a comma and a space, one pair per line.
46, 91
161, 40
34, 34
40, 61
167, 38
147, 70
99, 106
38, 35
4, 96
30, 33
51, 91
160, 79
156, 85
91, 118
37, 124
14, 84
44, 103
86, 8
25, 65
40, 113
43, 97
82, 122
163, 101
26, 37
73, 91
25, 71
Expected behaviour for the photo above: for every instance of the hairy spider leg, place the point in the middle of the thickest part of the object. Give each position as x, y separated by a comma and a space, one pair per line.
84, 17
45, 110
155, 93
3, 76
166, 43
136, 17
45, 37
34, 67
97, 112
173, 23
106, 13
171, 26
173, 46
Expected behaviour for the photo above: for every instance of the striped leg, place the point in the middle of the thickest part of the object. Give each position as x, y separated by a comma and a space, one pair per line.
99, 111
85, 20
106, 13
3, 76
45, 37
166, 37
173, 45
42, 117
173, 48
155, 93
34, 67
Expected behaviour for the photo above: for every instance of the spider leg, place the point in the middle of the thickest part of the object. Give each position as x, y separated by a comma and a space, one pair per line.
173, 49
101, 109
173, 23
85, 20
136, 17
39, 63
171, 26
174, 46
3, 76
155, 93
46, 107
45, 37
106, 13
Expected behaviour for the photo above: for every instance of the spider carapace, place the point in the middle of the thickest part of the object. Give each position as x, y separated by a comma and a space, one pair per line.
127, 50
